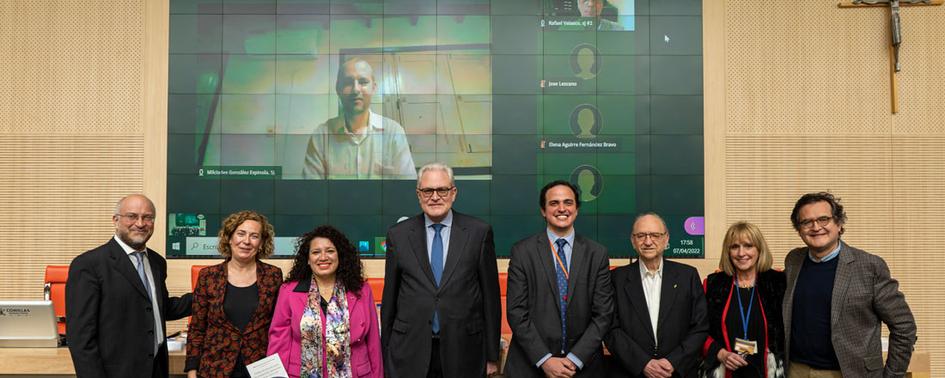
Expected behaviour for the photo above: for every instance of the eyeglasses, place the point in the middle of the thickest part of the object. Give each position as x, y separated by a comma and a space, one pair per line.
641, 236
821, 221
442, 192
147, 218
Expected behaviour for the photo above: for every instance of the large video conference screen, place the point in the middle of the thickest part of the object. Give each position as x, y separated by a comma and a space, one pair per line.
321, 111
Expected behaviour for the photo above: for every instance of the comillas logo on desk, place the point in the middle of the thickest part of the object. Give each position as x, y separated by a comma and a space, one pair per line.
13, 311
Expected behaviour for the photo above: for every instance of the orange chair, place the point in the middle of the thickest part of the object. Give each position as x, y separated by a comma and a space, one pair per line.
54, 290
506, 332
503, 288
377, 288
194, 273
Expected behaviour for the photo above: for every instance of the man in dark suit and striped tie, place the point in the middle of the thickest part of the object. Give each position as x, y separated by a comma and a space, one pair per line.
560, 299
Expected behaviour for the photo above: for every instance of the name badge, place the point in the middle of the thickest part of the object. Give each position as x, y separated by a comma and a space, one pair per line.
743, 346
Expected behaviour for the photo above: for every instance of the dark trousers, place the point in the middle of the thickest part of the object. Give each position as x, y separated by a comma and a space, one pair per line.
159, 370
436, 366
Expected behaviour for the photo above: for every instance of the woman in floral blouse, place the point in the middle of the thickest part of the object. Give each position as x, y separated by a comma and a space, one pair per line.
325, 323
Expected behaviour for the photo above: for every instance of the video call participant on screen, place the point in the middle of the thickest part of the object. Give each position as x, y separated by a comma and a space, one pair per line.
441, 312
560, 299
593, 8
325, 323
358, 144
836, 299
118, 302
234, 301
660, 325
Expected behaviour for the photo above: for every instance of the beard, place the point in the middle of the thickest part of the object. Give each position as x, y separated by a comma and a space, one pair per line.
136, 240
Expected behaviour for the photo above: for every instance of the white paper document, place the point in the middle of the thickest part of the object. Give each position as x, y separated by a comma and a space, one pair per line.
269, 367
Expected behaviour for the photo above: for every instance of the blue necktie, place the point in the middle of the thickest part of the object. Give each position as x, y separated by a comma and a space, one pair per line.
436, 262
141, 275
562, 291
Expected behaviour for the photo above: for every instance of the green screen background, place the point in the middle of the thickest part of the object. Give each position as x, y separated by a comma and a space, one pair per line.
250, 80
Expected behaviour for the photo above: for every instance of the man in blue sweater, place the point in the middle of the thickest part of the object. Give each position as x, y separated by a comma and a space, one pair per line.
836, 298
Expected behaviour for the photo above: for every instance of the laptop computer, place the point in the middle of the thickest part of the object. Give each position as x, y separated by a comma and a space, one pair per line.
28, 324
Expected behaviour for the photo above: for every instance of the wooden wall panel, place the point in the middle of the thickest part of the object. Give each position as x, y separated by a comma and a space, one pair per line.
74, 67
70, 130
807, 109
914, 225
57, 194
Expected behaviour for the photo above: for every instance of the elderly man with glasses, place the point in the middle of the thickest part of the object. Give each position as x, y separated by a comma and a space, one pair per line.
836, 298
440, 312
660, 324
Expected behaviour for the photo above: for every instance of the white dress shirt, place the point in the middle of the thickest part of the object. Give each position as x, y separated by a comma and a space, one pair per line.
652, 285
381, 151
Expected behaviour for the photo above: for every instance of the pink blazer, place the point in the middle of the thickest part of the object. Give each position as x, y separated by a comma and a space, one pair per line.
285, 335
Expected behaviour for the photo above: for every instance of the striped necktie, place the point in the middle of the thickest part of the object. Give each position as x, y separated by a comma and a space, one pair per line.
562, 291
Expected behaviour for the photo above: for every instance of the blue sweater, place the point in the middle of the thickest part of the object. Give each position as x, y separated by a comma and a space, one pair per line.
810, 319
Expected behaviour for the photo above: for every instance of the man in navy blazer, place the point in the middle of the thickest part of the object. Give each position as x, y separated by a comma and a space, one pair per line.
560, 299
440, 314
117, 312
660, 323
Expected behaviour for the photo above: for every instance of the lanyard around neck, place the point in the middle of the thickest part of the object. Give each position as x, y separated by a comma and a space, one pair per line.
745, 315
561, 265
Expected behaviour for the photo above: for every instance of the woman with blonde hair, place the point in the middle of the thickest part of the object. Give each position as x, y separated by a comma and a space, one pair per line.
746, 332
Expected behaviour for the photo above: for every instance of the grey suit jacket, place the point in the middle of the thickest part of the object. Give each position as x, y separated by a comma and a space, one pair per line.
467, 300
864, 295
532, 302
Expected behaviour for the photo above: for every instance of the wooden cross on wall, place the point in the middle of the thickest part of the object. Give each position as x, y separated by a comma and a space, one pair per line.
896, 31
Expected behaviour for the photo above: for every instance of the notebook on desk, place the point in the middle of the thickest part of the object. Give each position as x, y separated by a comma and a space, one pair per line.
28, 324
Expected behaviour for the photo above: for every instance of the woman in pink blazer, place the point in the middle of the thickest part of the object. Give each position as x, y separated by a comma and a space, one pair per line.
325, 321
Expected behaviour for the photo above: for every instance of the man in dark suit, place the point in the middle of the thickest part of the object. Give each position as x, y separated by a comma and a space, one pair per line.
440, 309
560, 300
838, 296
661, 323
118, 302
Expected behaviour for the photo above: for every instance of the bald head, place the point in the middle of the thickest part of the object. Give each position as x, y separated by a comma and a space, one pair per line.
140, 197
649, 238
134, 220
355, 86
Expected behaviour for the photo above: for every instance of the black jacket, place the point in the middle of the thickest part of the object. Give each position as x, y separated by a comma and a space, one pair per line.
682, 324
467, 300
110, 319
770, 286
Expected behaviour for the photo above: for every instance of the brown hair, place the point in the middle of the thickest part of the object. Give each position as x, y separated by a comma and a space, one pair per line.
232, 222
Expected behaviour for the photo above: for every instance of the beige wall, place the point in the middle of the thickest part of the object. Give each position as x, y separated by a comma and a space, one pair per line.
796, 100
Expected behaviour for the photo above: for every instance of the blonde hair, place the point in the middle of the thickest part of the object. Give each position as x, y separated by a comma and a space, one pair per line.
232, 222
738, 231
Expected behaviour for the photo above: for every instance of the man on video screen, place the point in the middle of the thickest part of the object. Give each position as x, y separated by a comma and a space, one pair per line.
358, 144
593, 8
